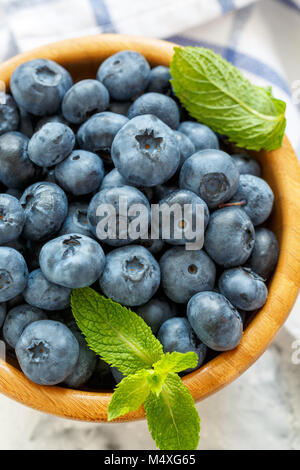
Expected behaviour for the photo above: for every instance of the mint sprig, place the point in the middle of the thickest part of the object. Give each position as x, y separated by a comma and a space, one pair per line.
122, 338
217, 94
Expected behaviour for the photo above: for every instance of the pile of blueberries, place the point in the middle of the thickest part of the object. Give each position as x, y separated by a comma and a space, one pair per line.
67, 148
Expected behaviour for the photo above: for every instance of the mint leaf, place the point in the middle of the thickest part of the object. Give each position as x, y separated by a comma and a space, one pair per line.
129, 395
176, 362
114, 332
217, 94
172, 416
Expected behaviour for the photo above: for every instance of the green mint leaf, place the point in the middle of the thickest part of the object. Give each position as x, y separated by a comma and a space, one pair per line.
129, 395
114, 332
217, 94
172, 416
176, 362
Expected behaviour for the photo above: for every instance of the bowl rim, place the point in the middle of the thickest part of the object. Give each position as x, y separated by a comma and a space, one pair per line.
283, 288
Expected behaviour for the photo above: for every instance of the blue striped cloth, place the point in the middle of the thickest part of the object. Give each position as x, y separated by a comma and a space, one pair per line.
260, 37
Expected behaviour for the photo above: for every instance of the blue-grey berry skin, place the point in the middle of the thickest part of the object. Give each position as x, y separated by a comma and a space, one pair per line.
9, 114
119, 107
202, 136
13, 273
26, 123
243, 288
186, 147
80, 173
39, 86
17, 320
212, 174
145, 151
44, 294
215, 321
51, 144
16, 169
113, 179
47, 352
117, 375
176, 335
159, 80
184, 273
246, 165
125, 75
3, 310
72, 261
98, 132
265, 254
115, 197
56, 118
257, 198
12, 218
229, 237
199, 214
161, 106
84, 99
131, 275
85, 365
46, 207
155, 313
76, 220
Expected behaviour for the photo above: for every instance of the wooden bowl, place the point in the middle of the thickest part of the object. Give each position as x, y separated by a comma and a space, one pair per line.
280, 168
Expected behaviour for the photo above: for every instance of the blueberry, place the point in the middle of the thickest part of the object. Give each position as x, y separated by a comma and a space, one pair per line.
44, 294
13, 273
98, 133
159, 80
114, 196
56, 118
243, 288
26, 124
51, 144
215, 321
184, 273
186, 147
17, 320
46, 207
131, 275
125, 75
183, 197
47, 352
265, 254
177, 335
80, 173
145, 151
229, 237
76, 221
117, 375
9, 114
12, 218
155, 313
2, 313
257, 198
72, 261
161, 106
84, 99
16, 170
119, 107
246, 164
85, 365
39, 86
113, 179
212, 174
202, 136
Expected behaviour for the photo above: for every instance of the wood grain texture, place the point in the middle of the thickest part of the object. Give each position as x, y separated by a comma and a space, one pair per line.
280, 168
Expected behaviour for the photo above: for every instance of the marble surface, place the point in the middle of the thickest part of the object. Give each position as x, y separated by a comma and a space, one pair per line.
260, 410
